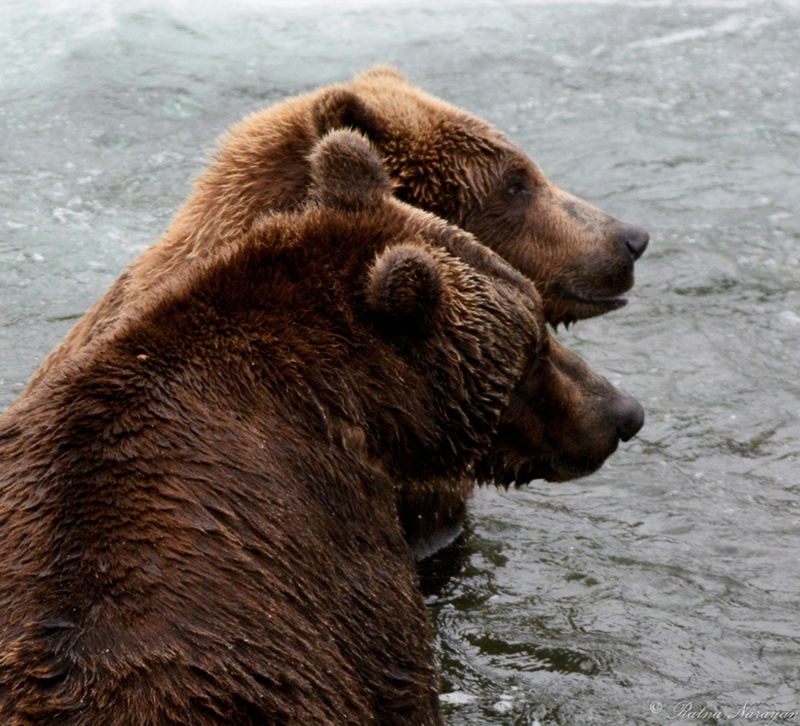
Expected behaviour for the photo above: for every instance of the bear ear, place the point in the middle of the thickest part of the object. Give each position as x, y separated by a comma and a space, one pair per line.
406, 286
341, 108
384, 73
347, 172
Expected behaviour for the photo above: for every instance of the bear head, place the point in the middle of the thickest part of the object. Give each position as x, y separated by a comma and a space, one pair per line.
459, 167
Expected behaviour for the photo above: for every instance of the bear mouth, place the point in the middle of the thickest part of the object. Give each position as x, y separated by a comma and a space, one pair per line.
553, 472
507, 471
511, 467
570, 306
601, 303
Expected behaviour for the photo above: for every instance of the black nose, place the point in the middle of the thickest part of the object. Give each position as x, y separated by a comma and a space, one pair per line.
636, 239
629, 416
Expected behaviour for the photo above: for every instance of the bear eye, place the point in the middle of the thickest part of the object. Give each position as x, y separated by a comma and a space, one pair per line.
517, 184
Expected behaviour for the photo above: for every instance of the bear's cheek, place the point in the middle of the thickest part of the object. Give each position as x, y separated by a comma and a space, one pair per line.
591, 253
562, 422
580, 258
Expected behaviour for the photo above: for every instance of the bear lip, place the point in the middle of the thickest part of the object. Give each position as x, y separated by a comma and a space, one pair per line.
570, 306
520, 473
611, 302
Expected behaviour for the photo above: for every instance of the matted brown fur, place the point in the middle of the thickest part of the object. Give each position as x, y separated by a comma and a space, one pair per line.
198, 510
440, 159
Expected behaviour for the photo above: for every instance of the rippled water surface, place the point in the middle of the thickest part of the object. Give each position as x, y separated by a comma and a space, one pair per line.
669, 577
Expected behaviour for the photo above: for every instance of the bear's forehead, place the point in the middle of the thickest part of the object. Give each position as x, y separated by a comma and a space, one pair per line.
450, 146
423, 136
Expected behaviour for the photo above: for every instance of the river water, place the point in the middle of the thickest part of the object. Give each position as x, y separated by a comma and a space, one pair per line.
664, 588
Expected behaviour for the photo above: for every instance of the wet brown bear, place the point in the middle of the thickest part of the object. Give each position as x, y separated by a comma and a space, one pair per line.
440, 158
198, 519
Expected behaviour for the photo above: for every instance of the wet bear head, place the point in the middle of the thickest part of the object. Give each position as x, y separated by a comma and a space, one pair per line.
457, 166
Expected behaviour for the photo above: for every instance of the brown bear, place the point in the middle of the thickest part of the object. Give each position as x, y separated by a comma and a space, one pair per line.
198, 521
440, 158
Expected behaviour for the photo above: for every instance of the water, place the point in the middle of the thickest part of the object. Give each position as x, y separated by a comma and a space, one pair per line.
669, 577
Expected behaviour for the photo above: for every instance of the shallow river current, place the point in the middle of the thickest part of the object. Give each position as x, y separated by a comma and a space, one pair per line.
666, 587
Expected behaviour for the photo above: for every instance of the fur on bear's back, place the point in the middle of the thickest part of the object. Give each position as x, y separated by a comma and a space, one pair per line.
187, 553
214, 548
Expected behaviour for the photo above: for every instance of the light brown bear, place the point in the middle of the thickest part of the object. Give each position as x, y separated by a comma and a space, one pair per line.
198, 519
440, 159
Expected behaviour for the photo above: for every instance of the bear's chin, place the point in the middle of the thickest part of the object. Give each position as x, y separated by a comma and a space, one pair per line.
503, 470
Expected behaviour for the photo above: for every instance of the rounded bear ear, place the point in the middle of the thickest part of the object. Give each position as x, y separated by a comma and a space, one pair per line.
382, 72
347, 172
341, 108
406, 285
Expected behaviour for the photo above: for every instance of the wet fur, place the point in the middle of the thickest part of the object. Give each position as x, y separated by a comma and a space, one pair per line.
198, 518
438, 157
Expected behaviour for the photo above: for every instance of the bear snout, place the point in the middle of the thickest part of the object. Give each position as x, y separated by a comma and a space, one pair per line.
633, 239
628, 416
